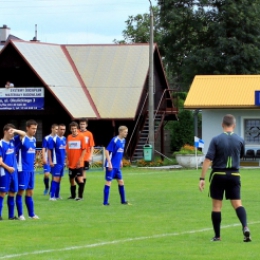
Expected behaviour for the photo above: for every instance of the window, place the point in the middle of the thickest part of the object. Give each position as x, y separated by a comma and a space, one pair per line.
252, 131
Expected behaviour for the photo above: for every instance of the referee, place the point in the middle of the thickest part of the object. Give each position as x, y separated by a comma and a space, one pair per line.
225, 151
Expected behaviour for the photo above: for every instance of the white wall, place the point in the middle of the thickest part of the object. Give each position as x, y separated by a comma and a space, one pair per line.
211, 123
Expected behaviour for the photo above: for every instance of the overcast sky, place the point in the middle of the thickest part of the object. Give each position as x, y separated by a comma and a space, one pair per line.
70, 21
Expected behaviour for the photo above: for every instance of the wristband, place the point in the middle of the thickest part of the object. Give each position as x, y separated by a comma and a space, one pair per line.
202, 179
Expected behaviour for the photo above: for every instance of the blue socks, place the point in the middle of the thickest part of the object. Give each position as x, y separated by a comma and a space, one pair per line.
57, 192
30, 205
54, 186
106, 194
19, 205
1, 205
10, 204
121, 189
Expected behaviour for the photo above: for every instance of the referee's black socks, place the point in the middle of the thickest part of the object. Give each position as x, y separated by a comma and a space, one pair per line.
216, 220
241, 214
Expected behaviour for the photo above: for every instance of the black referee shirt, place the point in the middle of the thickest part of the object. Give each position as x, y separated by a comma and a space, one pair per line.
225, 151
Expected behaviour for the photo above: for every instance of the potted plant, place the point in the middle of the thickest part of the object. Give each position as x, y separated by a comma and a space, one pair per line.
188, 157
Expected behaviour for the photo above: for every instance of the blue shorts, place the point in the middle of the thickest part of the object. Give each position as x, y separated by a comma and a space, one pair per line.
115, 173
57, 170
8, 181
46, 168
25, 180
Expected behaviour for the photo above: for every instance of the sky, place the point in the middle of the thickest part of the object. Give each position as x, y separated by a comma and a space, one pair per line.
70, 21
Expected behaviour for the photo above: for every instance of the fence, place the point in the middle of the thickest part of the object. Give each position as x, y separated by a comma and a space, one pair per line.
97, 162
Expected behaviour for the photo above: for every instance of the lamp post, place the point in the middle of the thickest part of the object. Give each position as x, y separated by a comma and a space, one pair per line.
151, 85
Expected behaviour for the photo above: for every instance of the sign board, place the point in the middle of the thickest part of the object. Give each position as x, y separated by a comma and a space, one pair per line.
257, 98
22, 99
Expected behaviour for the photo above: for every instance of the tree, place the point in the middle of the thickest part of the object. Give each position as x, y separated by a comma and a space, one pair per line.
179, 21
199, 37
138, 29
182, 131
211, 37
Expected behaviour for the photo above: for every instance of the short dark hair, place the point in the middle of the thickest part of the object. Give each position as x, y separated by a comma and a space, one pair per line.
85, 120
73, 124
7, 127
30, 122
229, 120
53, 126
61, 125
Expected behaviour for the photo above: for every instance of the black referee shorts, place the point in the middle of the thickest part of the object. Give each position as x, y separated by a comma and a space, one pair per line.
228, 182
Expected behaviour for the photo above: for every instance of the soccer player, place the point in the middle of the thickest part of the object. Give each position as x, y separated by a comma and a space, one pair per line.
8, 170
114, 155
45, 159
75, 160
83, 124
225, 151
57, 153
26, 156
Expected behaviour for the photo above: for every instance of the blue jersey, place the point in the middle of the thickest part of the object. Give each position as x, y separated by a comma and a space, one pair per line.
8, 154
57, 145
45, 144
26, 153
116, 151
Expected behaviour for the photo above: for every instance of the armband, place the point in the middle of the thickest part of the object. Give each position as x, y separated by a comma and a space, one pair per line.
202, 179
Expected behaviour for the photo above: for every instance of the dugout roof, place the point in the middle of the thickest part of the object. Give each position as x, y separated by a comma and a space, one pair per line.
223, 91
94, 81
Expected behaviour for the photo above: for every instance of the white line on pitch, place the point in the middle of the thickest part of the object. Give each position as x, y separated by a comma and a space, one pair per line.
120, 241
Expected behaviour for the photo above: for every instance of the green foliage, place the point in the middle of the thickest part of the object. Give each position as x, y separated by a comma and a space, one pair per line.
210, 37
201, 37
182, 130
181, 95
138, 29
179, 99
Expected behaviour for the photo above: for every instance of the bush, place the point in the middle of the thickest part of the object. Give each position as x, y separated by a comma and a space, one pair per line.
182, 131
126, 163
143, 163
187, 149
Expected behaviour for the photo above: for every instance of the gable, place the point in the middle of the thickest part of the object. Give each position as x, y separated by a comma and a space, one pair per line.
51, 64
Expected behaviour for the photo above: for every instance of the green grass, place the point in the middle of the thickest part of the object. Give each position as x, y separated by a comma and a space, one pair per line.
167, 207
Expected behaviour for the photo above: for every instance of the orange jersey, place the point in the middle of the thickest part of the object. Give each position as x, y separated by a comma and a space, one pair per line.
89, 141
75, 146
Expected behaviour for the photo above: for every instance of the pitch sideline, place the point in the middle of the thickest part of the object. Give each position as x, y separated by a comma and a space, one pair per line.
120, 241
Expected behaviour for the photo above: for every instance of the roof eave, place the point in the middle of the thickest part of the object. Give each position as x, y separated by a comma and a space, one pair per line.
221, 107
43, 82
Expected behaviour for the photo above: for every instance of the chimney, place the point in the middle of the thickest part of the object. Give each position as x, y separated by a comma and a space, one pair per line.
4, 33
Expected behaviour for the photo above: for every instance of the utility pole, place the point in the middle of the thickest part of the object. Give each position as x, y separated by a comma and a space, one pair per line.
151, 84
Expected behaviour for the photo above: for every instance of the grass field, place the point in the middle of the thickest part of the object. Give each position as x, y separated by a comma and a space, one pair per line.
169, 219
